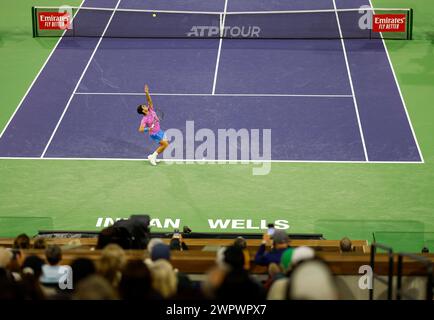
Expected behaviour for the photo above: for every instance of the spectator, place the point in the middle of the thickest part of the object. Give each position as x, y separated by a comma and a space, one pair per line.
10, 289
274, 273
289, 260
152, 243
220, 258
213, 280
346, 245
280, 244
95, 287
237, 284
81, 269
286, 259
186, 289
22, 241
51, 272
30, 275
40, 243
112, 261
300, 254
242, 243
33, 265
14, 266
215, 276
136, 282
150, 247
312, 280
227, 259
5, 258
164, 279
234, 258
160, 251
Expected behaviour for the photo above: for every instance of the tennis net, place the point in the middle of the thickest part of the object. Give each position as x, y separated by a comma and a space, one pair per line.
356, 23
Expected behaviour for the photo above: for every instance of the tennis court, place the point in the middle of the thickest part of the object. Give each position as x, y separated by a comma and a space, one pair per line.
346, 118
320, 98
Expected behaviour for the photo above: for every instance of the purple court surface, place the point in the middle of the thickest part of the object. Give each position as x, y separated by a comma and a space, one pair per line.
324, 100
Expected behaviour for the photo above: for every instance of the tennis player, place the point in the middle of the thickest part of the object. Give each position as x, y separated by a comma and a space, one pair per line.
151, 123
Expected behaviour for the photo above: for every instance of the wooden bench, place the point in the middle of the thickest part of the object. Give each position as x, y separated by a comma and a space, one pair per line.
198, 262
201, 244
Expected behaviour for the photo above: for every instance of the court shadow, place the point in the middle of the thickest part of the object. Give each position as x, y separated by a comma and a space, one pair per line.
15, 36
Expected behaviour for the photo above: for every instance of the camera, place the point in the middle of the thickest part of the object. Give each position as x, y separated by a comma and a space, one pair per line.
271, 229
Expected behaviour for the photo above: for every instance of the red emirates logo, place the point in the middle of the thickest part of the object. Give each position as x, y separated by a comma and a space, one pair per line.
389, 23
54, 21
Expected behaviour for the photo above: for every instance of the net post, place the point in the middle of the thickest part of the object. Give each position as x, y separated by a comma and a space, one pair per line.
371, 16
410, 22
221, 25
72, 21
33, 22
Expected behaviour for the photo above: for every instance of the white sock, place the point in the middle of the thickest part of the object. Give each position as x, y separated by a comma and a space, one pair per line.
155, 154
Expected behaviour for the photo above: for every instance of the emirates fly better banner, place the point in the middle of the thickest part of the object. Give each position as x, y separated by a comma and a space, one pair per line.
389, 23
54, 20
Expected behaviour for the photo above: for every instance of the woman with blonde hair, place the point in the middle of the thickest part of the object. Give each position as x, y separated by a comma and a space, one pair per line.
164, 279
112, 261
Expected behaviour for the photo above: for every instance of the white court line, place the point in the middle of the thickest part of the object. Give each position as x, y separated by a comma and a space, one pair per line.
218, 12
400, 93
309, 11
219, 94
140, 10
217, 160
351, 83
79, 80
34, 80
222, 27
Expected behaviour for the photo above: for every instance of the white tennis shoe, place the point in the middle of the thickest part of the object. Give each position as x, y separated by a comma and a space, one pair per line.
152, 160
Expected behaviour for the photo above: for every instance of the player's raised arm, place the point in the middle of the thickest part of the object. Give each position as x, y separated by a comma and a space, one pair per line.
148, 97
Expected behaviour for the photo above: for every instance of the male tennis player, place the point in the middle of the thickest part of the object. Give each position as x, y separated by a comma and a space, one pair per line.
151, 123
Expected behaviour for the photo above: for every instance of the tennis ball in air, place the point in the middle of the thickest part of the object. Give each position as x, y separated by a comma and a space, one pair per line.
154, 15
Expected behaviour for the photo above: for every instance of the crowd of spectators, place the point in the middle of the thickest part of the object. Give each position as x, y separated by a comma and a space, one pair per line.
293, 273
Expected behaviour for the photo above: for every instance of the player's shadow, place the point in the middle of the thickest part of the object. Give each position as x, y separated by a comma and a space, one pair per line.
422, 63
122, 148
428, 35
15, 36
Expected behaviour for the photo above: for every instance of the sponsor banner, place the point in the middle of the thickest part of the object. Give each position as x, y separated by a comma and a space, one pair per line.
389, 23
54, 20
213, 224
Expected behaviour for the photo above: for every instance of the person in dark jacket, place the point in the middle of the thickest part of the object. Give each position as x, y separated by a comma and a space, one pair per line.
280, 244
